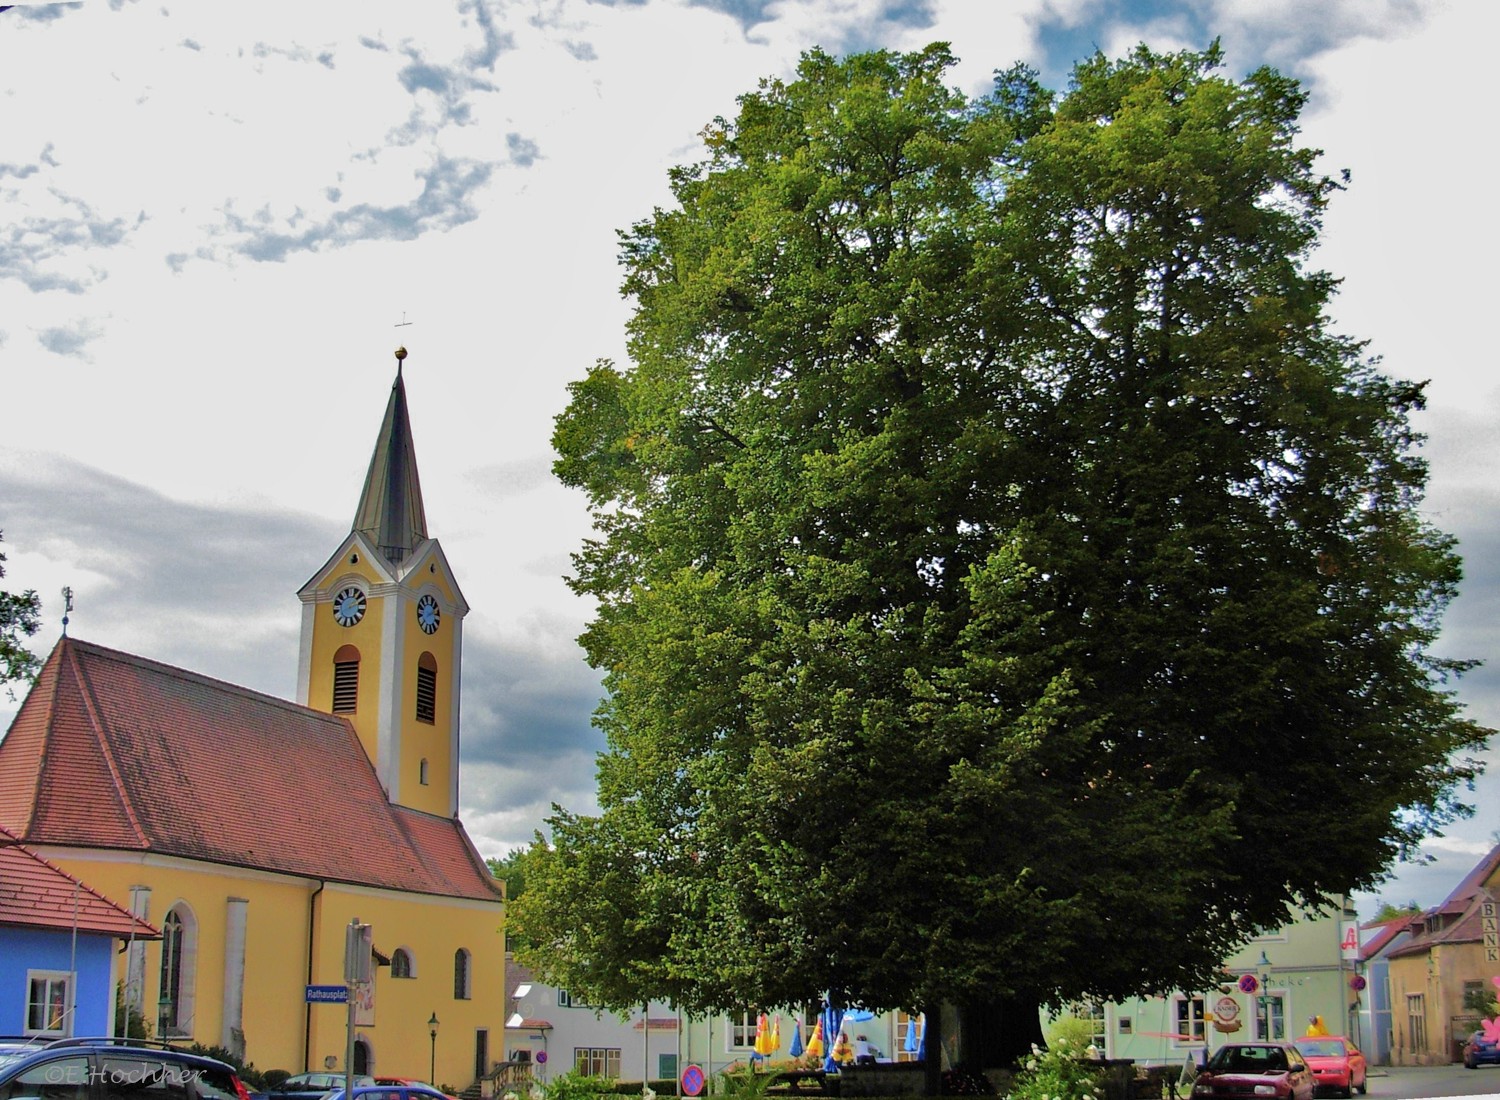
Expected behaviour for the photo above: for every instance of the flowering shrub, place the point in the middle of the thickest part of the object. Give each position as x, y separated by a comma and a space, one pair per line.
1057, 1073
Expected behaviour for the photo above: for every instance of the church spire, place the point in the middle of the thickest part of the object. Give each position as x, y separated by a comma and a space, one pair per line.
390, 509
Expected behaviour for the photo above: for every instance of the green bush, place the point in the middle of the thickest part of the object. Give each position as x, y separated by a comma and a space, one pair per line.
578, 1086
254, 1080
273, 1077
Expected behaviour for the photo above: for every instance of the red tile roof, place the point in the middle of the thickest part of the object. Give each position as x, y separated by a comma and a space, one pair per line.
36, 894
1458, 918
111, 750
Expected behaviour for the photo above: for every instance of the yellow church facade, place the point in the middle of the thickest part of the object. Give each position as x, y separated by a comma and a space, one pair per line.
253, 830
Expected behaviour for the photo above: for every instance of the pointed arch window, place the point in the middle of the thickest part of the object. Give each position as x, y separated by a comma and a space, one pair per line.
427, 688
179, 949
461, 980
346, 680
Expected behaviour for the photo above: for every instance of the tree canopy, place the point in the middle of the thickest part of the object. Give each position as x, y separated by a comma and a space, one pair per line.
1010, 587
20, 618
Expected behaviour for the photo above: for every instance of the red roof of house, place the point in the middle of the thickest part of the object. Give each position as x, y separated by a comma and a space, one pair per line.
111, 750
35, 894
1458, 918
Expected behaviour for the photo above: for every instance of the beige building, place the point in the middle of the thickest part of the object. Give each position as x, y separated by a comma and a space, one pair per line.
1452, 956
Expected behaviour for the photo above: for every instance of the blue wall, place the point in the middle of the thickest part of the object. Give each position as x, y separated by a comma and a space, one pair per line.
27, 949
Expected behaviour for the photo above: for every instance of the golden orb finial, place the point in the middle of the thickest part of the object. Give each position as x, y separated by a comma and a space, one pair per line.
400, 354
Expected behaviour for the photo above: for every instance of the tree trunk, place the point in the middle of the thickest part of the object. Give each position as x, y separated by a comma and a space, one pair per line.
998, 1033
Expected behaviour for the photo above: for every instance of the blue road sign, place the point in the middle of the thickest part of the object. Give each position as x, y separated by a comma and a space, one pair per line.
328, 994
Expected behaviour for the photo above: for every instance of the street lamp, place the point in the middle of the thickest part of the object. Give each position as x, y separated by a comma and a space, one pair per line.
1264, 966
432, 1026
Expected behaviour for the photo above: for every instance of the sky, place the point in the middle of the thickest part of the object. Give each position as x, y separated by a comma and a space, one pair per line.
217, 222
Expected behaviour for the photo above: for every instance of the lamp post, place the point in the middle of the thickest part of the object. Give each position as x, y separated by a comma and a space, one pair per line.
432, 1026
1263, 965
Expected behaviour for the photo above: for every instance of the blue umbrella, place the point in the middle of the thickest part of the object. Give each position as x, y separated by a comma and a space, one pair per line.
912, 1045
832, 1021
796, 1050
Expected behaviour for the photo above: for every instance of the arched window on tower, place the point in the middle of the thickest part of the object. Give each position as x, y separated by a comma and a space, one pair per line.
461, 975
427, 688
345, 680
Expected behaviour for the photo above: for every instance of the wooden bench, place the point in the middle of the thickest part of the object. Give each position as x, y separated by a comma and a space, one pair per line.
798, 1082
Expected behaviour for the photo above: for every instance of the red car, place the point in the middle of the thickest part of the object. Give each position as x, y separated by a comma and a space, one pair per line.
1336, 1063
1239, 1070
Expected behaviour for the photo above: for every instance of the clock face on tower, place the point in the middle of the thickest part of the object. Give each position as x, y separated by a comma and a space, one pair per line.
349, 606
428, 615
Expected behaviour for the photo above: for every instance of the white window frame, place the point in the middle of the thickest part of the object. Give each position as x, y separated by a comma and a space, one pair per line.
739, 1031
50, 979
1197, 1022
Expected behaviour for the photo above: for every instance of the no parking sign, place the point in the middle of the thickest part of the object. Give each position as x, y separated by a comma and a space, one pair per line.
692, 1081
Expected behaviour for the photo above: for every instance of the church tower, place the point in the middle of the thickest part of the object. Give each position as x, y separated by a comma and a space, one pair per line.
382, 629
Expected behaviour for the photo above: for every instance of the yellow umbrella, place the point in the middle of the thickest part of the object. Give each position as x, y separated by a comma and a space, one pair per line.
843, 1050
775, 1034
815, 1044
763, 1035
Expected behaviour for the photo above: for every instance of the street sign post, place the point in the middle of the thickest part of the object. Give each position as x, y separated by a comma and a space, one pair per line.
327, 994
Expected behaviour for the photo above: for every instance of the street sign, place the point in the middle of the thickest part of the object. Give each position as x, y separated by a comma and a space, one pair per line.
541, 1057
327, 994
692, 1080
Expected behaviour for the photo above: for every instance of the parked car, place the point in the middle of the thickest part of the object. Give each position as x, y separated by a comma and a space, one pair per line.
302, 1086
417, 1091
1238, 1070
1336, 1063
400, 1082
96, 1068
1481, 1050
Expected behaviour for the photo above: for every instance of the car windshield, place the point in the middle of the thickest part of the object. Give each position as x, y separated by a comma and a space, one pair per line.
1248, 1059
1320, 1048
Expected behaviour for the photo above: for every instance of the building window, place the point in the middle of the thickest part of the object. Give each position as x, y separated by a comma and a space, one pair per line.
426, 688
47, 1003
564, 999
401, 963
345, 680
1124, 1024
179, 952
597, 1061
1190, 1020
422, 772
461, 983
1270, 1016
1416, 1022
171, 974
742, 1031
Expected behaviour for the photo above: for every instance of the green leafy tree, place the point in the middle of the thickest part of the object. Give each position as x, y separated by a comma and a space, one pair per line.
20, 618
510, 869
1010, 589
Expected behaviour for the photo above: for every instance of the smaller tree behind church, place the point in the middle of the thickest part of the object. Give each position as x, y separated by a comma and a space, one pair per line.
1010, 587
20, 618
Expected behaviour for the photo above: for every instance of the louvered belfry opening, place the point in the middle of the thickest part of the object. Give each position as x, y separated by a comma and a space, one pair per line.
346, 680
426, 688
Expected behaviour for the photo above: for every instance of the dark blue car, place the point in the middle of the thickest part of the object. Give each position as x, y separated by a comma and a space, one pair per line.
1481, 1051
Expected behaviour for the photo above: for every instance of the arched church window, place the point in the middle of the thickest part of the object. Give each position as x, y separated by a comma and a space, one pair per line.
401, 963
427, 688
345, 680
461, 988
179, 949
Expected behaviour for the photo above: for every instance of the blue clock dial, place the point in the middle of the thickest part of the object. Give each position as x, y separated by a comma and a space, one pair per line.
428, 615
349, 606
